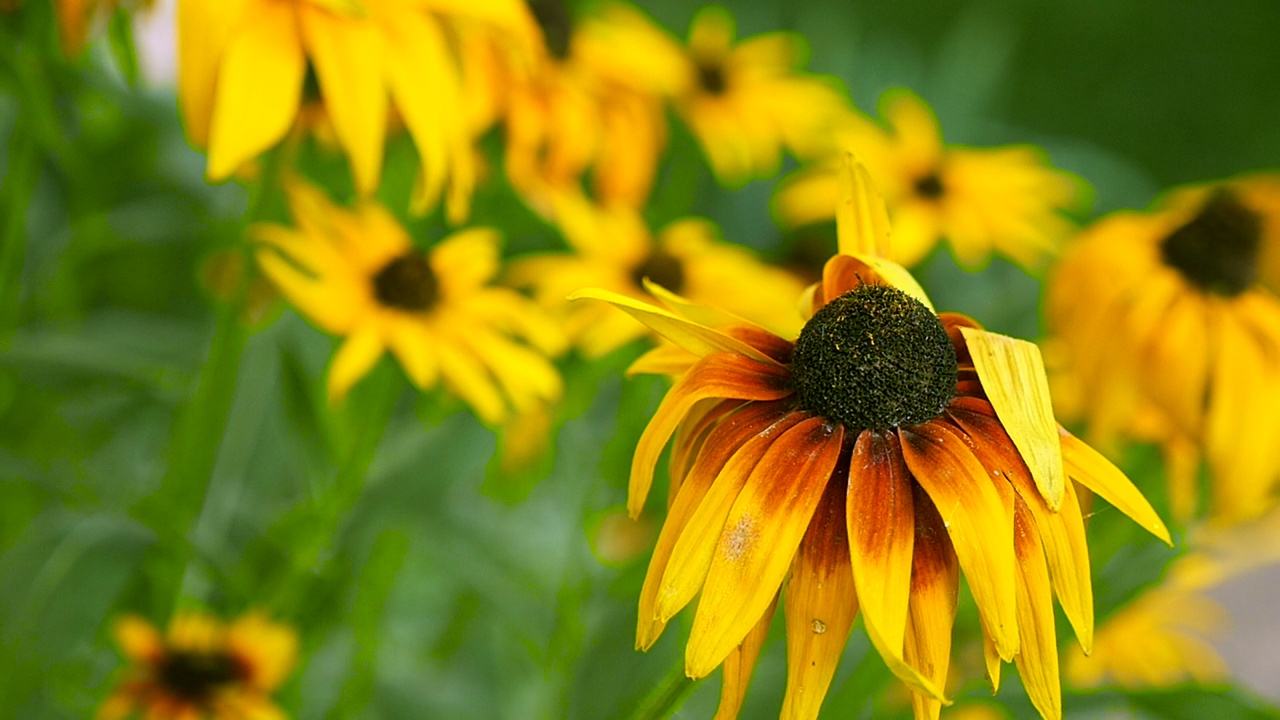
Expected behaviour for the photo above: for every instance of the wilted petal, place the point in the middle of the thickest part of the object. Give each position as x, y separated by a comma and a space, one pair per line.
740, 666
1037, 657
935, 582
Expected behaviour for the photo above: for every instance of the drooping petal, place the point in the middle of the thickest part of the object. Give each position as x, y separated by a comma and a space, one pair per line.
719, 375
821, 605
1089, 468
690, 335
1013, 376
696, 546
413, 345
740, 666
935, 583
976, 516
1062, 532
690, 436
354, 359
760, 538
139, 640
862, 222
1037, 657
722, 443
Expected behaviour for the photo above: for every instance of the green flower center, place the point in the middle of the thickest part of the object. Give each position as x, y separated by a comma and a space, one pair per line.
930, 187
711, 77
197, 676
407, 283
1218, 249
662, 268
874, 358
553, 17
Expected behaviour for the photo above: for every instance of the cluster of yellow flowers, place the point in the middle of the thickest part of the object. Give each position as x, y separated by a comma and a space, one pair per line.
838, 446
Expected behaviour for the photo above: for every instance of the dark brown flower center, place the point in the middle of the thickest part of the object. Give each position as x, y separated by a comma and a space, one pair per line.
711, 77
1218, 249
662, 268
407, 283
196, 676
874, 358
930, 187
553, 17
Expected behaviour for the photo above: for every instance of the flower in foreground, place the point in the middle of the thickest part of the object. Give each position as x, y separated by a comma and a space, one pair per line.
1167, 310
871, 460
201, 668
357, 274
1004, 199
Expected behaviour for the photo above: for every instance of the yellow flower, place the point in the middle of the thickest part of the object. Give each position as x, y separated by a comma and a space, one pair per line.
243, 64
615, 250
357, 274
1165, 310
979, 199
75, 16
872, 459
201, 668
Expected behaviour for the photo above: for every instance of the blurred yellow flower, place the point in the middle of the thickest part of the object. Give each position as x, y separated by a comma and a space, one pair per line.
356, 273
980, 200
871, 460
243, 65
75, 17
1164, 311
615, 250
201, 668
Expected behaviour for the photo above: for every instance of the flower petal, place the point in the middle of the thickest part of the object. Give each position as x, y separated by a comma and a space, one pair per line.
1013, 376
980, 525
354, 360
760, 537
935, 583
719, 375
741, 664
139, 640
821, 605
1037, 657
862, 222
1089, 468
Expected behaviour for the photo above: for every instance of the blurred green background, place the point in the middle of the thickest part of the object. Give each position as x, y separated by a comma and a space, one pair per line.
448, 592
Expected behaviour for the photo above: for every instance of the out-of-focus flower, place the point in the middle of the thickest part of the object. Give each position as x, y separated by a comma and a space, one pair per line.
201, 668
872, 459
357, 274
1165, 311
979, 200
243, 66
616, 251
76, 16
566, 115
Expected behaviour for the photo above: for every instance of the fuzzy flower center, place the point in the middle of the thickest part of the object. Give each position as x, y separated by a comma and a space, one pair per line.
874, 358
663, 268
407, 283
930, 187
196, 676
553, 18
711, 77
1218, 249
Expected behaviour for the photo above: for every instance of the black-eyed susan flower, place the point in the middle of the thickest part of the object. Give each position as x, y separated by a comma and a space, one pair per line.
871, 460
201, 668
979, 200
1165, 311
357, 274
243, 66
615, 250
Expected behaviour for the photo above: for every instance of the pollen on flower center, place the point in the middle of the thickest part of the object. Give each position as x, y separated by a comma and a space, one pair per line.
874, 358
662, 268
407, 283
1218, 249
195, 675
711, 77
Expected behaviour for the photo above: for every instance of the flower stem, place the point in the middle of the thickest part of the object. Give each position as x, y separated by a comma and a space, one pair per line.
668, 695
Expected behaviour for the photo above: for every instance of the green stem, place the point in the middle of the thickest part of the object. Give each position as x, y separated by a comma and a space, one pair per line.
668, 695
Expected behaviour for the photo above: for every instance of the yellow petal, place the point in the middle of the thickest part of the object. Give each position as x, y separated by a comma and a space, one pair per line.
693, 336
666, 359
760, 538
1037, 658
354, 360
935, 582
467, 376
862, 222
741, 664
411, 342
203, 29
259, 88
821, 605
980, 525
466, 260
1089, 468
139, 640
1012, 374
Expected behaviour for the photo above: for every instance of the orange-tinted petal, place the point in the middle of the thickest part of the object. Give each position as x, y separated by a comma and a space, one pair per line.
719, 375
741, 664
1037, 657
139, 640
821, 605
760, 538
935, 582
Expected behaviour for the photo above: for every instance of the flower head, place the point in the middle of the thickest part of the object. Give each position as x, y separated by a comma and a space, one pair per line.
978, 199
201, 668
873, 459
1167, 312
357, 274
